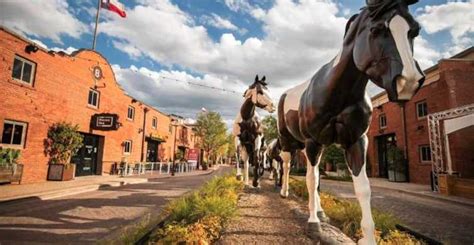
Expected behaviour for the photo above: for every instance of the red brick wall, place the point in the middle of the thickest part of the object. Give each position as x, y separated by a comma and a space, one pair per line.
60, 93
454, 88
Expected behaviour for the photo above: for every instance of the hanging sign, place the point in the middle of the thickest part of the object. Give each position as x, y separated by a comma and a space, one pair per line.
105, 121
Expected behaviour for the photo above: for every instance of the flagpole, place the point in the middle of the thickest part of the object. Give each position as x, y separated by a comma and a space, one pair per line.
96, 23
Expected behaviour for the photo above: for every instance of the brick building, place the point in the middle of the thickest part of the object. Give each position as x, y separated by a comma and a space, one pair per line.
39, 87
449, 84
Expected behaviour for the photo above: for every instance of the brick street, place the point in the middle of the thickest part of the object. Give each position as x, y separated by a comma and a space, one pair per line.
89, 217
444, 221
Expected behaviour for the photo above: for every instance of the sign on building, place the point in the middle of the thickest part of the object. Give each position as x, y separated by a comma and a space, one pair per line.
105, 121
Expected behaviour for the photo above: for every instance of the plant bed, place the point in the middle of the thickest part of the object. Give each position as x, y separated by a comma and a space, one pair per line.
10, 169
200, 216
61, 172
346, 216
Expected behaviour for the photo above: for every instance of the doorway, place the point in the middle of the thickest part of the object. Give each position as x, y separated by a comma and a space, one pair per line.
152, 151
383, 144
86, 158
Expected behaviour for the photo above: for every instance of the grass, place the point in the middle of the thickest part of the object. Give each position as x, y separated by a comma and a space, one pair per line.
346, 215
200, 216
338, 178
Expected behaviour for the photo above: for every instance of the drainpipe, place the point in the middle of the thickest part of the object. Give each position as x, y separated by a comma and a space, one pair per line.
405, 140
145, 110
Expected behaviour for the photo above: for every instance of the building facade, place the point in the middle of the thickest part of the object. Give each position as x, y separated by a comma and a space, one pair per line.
39, 87
449, 84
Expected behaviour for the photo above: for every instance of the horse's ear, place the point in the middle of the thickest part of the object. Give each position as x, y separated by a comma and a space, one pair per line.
256, 78
349, 22
410, 2
263, 81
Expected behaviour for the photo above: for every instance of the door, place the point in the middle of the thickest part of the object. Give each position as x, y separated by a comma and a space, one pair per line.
86, 158
383, 143
152, 151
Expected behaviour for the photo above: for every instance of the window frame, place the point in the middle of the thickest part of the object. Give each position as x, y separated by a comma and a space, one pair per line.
130, 144
97, 100
417, 104
33, 70
23, 134
420, 153
154, 122
383, 115
133, 113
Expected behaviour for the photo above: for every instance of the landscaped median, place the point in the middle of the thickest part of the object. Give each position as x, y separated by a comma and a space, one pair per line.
200, 216
346, 216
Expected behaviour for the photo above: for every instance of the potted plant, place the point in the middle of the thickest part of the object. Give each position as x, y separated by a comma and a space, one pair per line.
10, 169
204, 165
62, 142
396, 164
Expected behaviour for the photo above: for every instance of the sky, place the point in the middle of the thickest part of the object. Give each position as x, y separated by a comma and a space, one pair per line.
221, 43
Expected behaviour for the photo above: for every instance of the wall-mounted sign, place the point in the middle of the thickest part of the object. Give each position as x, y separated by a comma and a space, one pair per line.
97, 72
105, 121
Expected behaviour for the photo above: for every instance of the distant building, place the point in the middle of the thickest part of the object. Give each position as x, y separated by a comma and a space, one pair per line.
448, 85
39, 87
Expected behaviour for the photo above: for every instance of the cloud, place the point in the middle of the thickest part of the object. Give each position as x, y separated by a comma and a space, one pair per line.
425, 54
41, 19
457, 18
179, 97
218, 22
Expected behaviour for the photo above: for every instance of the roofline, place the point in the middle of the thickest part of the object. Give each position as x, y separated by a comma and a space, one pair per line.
74, 54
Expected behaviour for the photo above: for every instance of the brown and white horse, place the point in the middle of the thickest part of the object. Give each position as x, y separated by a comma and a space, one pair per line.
247, 128
333, 107
273, 158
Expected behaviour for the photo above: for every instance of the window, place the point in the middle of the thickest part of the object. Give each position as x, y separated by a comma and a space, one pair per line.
425, 153
127, 147
382, 121
13, 133
154, 122
421, 109
93, 98
131, 113
23, 70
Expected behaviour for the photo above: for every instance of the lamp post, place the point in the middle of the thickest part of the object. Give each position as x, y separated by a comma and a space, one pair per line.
175, 125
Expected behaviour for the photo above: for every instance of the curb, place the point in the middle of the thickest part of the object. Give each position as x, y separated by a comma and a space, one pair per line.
83, 189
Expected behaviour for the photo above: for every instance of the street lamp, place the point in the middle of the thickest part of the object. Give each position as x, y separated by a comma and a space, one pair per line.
175, 125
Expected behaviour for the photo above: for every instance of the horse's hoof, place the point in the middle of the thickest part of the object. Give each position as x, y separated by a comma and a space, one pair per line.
283, 194
323, 217
366, 241
314, 231
239, 177
256, 184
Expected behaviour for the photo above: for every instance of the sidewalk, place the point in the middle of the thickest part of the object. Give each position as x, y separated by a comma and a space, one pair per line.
409, 188
53, 189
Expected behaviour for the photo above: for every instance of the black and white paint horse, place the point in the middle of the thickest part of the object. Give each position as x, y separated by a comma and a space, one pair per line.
274, 161
333, 107
248, 130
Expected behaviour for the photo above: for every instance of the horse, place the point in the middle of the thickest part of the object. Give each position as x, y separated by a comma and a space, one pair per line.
247, 127
333, 106
273, 158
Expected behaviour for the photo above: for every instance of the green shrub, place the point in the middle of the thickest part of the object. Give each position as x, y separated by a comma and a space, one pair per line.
9, 156
63, 141
201, 215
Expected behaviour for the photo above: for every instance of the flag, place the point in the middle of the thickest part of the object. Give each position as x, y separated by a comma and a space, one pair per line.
114, 6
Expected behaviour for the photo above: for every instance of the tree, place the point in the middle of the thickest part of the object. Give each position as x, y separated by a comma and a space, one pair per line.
270, 130
211, 129
62, 142
334, 155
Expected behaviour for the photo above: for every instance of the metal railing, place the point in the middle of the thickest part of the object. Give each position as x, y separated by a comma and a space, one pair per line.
141, 168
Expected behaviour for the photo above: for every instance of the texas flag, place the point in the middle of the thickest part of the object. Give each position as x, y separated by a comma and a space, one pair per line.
114, 6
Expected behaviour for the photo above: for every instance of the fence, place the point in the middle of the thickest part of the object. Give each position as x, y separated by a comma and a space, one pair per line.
141, 168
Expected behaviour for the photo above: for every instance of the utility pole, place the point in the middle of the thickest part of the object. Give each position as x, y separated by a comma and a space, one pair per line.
96, 24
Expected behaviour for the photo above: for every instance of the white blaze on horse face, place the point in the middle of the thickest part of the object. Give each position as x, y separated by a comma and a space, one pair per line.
407, 83
293, 97
265, 100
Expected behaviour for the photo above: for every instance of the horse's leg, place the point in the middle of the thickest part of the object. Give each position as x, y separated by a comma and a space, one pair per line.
239, 171
245, 159
280, 173
255, 161
313, 152
272, 169
286, 157
356, 159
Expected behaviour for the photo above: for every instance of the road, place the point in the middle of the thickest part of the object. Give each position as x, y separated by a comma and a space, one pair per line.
444, 221
91, 216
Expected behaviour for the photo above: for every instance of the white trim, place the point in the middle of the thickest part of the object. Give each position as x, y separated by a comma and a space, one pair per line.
97, 98
33, 70
133, 113
130, 143
154, 122
23, 134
